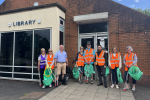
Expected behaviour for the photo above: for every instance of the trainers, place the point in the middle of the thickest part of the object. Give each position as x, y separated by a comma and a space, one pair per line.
92, 82
43, 86
80, 81
133, 89
117, 87
50, 85
112, 86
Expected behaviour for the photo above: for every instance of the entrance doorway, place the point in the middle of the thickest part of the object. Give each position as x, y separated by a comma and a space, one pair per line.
95, 39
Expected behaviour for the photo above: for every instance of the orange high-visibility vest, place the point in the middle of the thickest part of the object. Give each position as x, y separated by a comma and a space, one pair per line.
89, 55
114, 60
50, 60
100, 59
129, 60
80, 61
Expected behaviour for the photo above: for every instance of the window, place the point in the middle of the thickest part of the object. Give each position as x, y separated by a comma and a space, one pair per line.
6, 55
91, 28
19, 52
61, 37
23, 48
41, 40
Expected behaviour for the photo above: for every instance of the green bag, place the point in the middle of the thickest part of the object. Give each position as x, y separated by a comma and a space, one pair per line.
107, 71
76, 72
135, 72
88, 70
48, 77
119, 76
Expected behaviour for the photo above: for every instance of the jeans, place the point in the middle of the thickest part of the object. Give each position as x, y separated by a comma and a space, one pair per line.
81, 69
101, 69
41, 75
114, 75
133, 80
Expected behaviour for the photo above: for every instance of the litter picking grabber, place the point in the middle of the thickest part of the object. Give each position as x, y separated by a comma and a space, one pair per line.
124, 89
40, 84
87, 73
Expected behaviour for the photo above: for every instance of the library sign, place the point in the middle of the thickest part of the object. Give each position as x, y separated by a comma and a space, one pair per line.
21, 23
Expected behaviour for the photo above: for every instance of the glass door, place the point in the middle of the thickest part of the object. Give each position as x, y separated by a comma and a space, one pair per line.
85, 40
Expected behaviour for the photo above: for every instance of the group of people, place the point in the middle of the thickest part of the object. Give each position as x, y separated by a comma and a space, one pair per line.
100, 60
56, 63
59, 61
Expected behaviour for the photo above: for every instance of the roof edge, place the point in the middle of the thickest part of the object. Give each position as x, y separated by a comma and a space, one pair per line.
35, 7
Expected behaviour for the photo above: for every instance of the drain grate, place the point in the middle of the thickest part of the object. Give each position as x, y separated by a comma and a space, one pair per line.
32, 95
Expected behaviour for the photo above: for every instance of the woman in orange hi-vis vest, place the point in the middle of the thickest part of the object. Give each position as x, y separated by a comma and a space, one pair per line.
50, 61
80, 63
114, 63
130, 59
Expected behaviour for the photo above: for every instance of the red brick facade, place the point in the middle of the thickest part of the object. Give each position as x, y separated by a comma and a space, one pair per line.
126, 27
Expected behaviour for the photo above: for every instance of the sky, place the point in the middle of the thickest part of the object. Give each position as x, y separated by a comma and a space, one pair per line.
135, 3
1, 1
130, 3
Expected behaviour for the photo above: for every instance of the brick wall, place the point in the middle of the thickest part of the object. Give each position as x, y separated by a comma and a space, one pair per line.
126, 26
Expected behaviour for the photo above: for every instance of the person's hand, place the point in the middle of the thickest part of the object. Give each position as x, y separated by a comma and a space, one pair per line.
104, 66
38, 69
126, 65
66, 64
55, 65
87, 62
110, 66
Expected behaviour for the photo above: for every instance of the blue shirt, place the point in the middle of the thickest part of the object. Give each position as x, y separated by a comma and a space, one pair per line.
61, 57
88, 51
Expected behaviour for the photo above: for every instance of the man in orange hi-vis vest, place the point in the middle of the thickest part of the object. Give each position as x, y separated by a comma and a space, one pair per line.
89, 55
130, 59
101, 63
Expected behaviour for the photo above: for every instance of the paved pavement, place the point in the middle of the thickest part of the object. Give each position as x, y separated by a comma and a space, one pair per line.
75, 91
142, 93
20, 90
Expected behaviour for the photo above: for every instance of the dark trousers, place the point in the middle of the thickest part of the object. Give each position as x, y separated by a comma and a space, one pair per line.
101, 69
114, 75
133, 80
41, 75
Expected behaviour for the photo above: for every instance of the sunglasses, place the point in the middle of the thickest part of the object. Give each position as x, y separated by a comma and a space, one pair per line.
42, 51
49, 51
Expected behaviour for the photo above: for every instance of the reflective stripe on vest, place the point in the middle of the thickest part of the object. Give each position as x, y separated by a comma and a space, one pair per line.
129, 60
114, 60
80, 61
100, 59
89, 55
42, 62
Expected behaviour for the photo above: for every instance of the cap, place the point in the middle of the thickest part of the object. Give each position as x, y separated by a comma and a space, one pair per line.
88, 42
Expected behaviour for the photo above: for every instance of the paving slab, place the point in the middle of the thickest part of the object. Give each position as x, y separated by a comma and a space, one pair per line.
76, 91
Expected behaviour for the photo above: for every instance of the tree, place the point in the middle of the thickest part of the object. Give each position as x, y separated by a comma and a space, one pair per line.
145, 11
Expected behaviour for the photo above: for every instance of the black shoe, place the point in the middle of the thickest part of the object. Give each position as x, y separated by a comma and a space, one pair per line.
99, 84
105, 86
64, 83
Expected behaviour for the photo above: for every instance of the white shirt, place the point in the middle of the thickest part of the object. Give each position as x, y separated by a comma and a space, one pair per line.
120, 62
39, 58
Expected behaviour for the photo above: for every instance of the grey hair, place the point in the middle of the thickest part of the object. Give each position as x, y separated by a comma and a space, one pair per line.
61, 45
130, 48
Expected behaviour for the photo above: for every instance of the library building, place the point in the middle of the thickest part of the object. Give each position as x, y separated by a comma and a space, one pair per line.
26, 26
